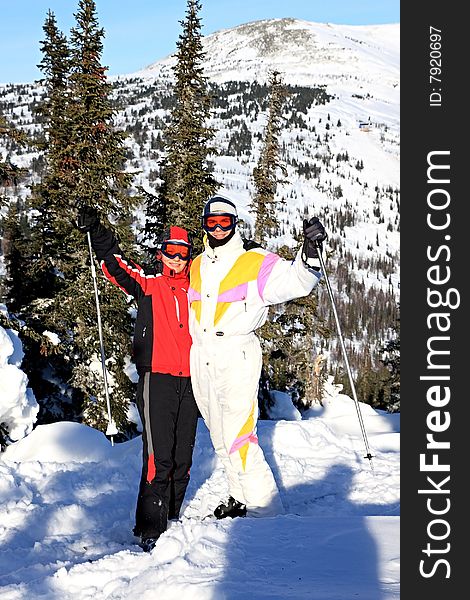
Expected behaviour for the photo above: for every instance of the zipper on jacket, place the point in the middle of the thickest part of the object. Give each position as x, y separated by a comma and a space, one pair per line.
143, 331
177, 307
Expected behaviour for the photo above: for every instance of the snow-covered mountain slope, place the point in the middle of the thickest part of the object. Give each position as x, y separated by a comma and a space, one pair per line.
340, 142
358, 67
341, 147
304, 51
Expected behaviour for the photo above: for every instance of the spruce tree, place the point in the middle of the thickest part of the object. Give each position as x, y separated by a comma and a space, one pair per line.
41, 258
391, 360
187, 180
98, 160
27, 291
10, 225
85, 159
10, 174
98, 148
14, 227
50, 223
55, 66
289, 334
156, 216
17, 290
265, 174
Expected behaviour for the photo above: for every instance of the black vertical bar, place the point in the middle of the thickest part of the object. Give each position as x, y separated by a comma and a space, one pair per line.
434, 328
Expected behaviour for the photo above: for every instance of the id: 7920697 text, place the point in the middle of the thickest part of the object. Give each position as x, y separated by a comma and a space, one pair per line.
435, 66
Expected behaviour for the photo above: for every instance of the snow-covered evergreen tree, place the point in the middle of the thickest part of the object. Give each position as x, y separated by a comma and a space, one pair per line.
266, 178
186, 173
391, 360
10, 174
85, 159
98, 156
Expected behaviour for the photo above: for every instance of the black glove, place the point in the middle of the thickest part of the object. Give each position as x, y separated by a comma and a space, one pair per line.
315, 234
87, 219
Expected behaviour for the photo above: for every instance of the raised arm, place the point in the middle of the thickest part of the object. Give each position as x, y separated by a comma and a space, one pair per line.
122, 272
286, 280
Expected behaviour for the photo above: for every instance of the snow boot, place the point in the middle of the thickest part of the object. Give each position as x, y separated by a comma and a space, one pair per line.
232, 508
148, 544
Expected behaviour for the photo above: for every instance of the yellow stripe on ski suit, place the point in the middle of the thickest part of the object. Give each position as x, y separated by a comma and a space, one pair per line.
246, 268
194, 292
245, 436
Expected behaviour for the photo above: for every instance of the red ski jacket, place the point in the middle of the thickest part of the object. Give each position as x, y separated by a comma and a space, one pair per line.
161, 337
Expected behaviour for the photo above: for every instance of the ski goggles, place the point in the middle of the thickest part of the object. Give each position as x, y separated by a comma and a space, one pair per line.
225, 222
176, 249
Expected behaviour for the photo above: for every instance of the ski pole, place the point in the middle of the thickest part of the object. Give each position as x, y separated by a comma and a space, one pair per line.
111, 429
345, 356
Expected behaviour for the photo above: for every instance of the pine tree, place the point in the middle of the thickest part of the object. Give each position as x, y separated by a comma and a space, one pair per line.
29, 245
10, 225
17, 289
10, 174
85, 159
187, 180
265, 174
50, 225
391, 360
98, 155
288, 336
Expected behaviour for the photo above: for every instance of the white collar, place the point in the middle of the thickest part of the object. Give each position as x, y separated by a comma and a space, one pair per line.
233, 246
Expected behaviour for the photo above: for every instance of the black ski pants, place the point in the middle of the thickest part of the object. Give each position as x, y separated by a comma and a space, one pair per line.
169, 417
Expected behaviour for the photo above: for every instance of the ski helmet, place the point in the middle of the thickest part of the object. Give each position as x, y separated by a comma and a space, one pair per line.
221, 211
175, 241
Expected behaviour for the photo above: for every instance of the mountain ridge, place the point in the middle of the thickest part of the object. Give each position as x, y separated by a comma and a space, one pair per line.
307, 42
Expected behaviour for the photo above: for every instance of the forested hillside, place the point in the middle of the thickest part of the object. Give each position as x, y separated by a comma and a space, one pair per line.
339, 145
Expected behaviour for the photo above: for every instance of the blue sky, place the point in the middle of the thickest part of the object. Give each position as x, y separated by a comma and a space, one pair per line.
139, 32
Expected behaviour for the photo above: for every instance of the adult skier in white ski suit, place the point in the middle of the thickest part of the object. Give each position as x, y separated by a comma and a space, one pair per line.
232, 284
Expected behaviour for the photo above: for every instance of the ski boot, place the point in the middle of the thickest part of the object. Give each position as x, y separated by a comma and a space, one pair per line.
148, 544
232, 508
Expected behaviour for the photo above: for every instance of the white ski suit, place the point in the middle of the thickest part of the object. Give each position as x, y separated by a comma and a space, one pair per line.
230, 291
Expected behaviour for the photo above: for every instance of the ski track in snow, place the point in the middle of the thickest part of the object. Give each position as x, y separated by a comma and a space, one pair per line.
67, 518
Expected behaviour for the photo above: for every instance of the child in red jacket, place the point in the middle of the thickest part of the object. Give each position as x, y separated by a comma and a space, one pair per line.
161, 354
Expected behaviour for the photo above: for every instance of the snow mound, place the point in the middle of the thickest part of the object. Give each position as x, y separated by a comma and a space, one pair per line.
60, 442
282, 409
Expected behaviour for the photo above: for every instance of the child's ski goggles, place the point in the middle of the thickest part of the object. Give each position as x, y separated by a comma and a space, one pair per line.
225, 222
173, 249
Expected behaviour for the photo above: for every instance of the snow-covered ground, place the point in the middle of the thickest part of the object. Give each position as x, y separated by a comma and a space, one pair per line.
67, 501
